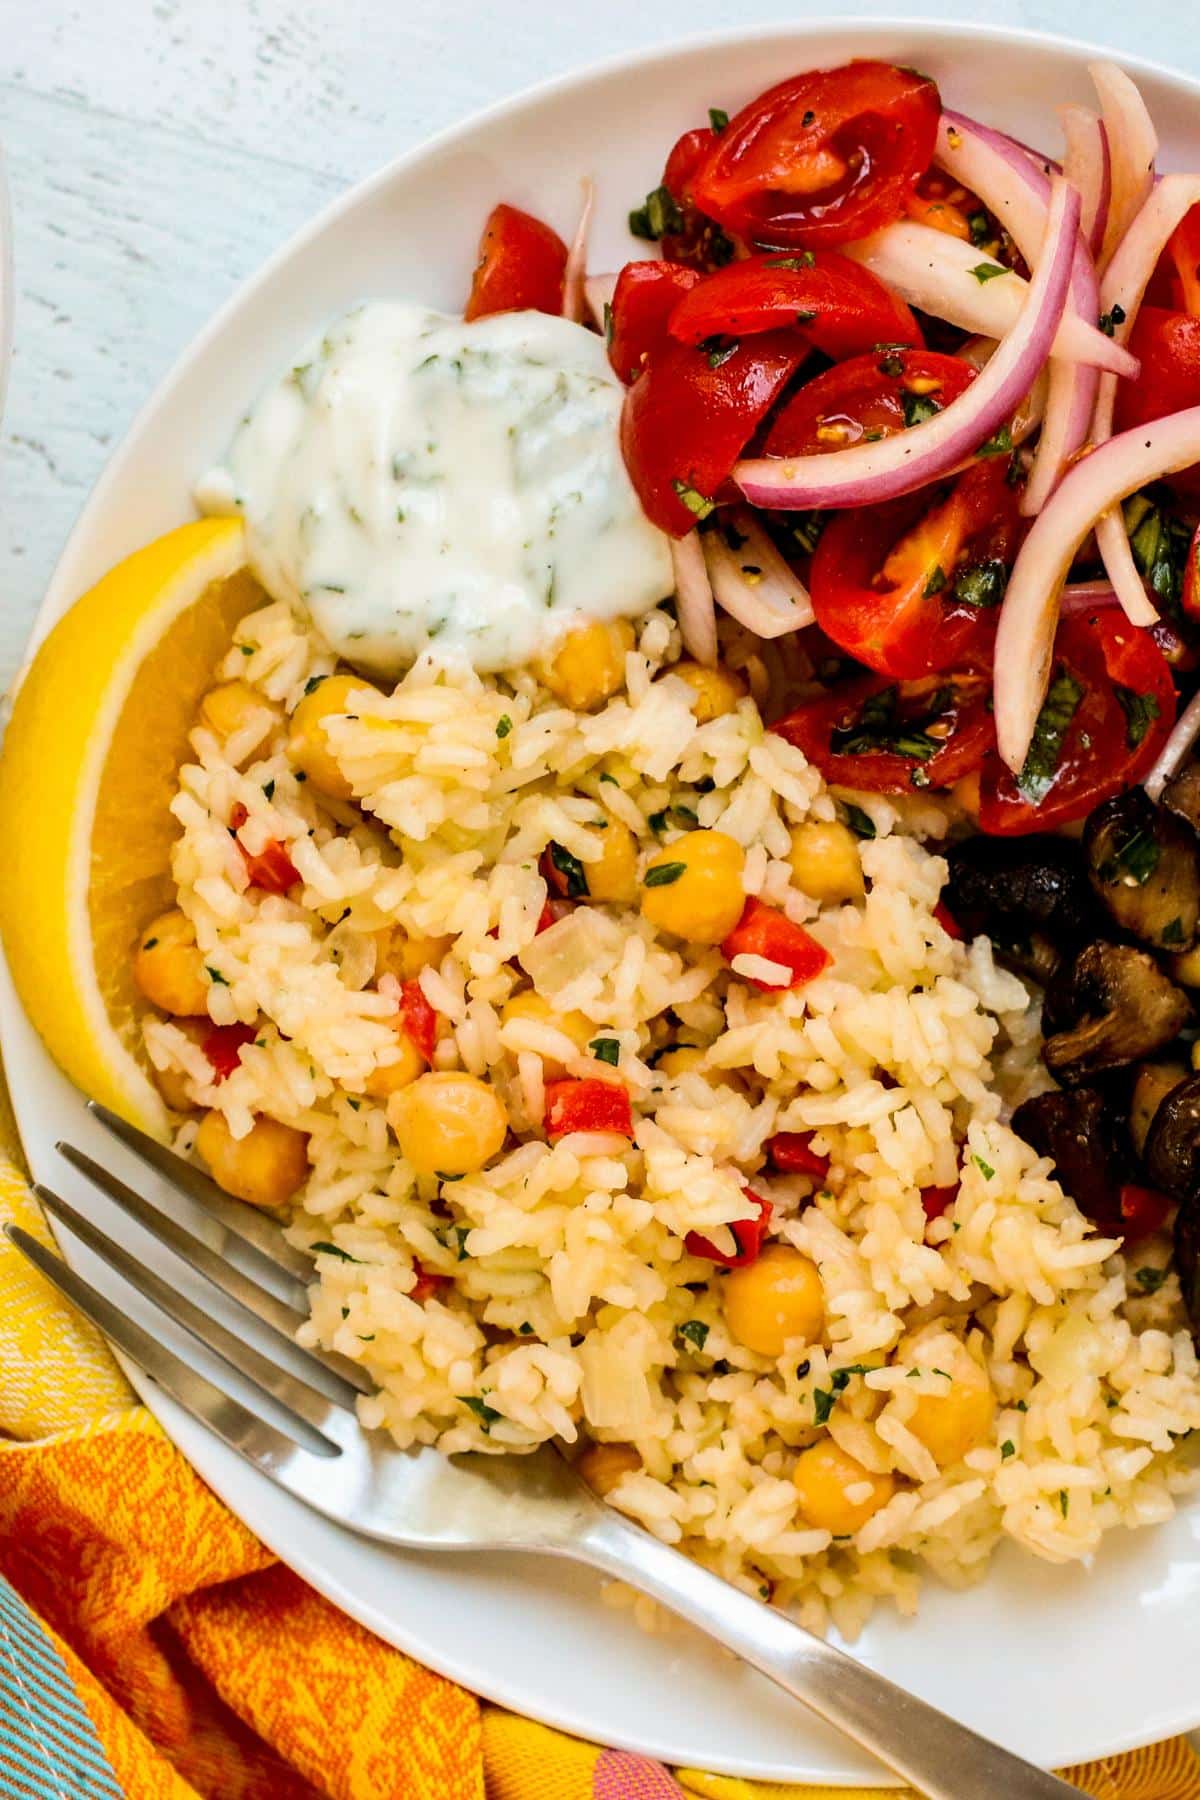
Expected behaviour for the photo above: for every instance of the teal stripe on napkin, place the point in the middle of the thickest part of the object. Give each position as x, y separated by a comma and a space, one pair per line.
48, 1746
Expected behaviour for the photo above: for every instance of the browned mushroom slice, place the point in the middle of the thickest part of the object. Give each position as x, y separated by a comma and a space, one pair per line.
1081, 1132
1030, 895
1144, 866
1112, 1006
1182, 794
1172, 1153
1154, 1081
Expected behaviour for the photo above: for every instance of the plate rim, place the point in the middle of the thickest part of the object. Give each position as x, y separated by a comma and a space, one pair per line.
955, 35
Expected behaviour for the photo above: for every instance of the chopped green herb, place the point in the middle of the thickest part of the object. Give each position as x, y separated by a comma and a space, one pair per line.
805, 529
1150, 1279
246, 649
1049, 734
823, 1404
803, 259
718, 350
572, 871
694, 1332
1134, 859
313, 683
1064, 1502
1020, 1406
684, 815
1007, 1449
607, 777
326, 1249
987, 271
269, 789
877, 728
150, 943
366, 1337
1110, 320
215, 976
805, 318
664, 874
985, 1168
487, 1414
893, 367
982, 584
300, 775
525, 1329
1140, 711
1159, 543
839, 1381
918, 407
718, 118
693, 499
461, 1234
657, 821
503, 726
606, 1050
999, 444
659, 216
936, 581
442, 1176
860, 823
980, 226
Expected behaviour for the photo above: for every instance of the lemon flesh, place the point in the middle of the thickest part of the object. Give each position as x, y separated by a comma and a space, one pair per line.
89, 766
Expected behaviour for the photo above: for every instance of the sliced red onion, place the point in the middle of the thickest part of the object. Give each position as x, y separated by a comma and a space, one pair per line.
1183, 736
934, 271
1087, 165
574, 274
598, 291
1133, 146
1083, 596
864, 473
1029, 615
694, 599
1070, 401
753, 582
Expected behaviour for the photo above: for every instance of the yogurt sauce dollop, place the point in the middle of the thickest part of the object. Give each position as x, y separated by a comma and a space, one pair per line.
416, 483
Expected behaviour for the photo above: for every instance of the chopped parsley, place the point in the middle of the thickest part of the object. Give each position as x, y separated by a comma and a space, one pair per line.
150, 943
860, 823
878, 728
1110, 320
1064, 1502
657, 821
917, 407
1150, 1279
460, 1233
694, 1332
326, 1249
664, 874
823, 1403
999, 444
215, 976
803, 259
525, 1329
1159, 544
657, 217
1007, 1449
980, 227
269, 789
314, 681
718, 118
1134, 859
982, 584
487, 1415
935, 581
985, 1168
503, 726
718, 350
697, 503
571, 870
606, 1050
1049, 734
1140, 711
987, 271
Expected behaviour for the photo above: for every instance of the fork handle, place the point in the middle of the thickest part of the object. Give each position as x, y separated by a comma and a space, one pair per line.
939, 1757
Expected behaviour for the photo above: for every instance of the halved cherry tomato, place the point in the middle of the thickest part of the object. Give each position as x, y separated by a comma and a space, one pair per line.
223, 1046
688, 417
428, 1283
889, 738
1109, 709
841, 307
822, 158
910, 588
1189, 598
1143, 1210
587, 1105
1184, 249
865, 398
938, 1200
748, 1235
520, 267
792, 1153
764, 931
644, 298
271, 869
1168, 347
418, 1019
697, 240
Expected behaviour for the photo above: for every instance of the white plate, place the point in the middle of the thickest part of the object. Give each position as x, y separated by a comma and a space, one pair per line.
1062, 1665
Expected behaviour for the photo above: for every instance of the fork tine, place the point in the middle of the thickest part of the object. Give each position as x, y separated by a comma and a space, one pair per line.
272, 1450
241, 1356
284, 1320
246, 1222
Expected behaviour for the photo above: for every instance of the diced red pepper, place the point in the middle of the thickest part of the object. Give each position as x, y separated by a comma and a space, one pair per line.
271, 869
764, 931
223, 1048
1143, 1210
938, 1200
428, 1283
748, 1235
947, 921
418, 1018
546, 918
588, 1105
792, 1153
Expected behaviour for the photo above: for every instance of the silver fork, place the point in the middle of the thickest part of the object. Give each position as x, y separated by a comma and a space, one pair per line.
424, 1501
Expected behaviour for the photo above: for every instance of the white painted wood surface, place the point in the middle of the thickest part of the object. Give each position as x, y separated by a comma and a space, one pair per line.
159, 149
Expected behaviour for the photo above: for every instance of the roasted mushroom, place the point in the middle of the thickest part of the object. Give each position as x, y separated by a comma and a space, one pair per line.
1172, 1152
1110, 1007
1144, 866
1082, 1132
1030, 895
1154, 1081
1181, 795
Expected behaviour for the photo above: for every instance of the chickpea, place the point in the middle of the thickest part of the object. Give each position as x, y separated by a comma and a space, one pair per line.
715, 691
683, 1060
308, 744
264, 1168
531, 1006
701, 897
774, 1300
589, 665
389, 1078
448, 1123
168, 967
1154, 1082
227, 708
399, 954
172, 1085
1186, 967
825, 1477
612, 876
952, 1423
603, 1465
825, 861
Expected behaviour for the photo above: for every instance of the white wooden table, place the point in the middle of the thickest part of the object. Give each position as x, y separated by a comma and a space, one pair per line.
159, 149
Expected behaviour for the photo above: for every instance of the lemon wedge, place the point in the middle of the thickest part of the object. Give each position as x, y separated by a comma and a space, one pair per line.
98, 731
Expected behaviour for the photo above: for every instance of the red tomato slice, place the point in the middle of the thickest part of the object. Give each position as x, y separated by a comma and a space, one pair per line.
520, 267
888, 738
689, 415
948, 922
223, 1046
272, 869
937, 1201
429, 1282
418, 1020
764, 931
748, 1235
841, 307
1168, 346
587, 1105
1143, 1210
885, 580
822, 158
1112, 690
944, 205
1189, 599
697, 242
866, 397
792, 1153
644, 298
1184, 248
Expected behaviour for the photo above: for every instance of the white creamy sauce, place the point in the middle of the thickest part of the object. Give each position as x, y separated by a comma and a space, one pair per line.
418, 483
